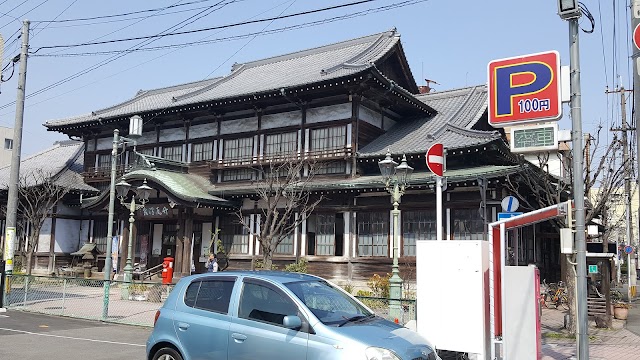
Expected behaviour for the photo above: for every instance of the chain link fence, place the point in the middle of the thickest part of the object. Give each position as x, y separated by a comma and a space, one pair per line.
135, 304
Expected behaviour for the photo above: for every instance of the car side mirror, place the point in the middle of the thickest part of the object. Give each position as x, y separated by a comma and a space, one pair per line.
292, 322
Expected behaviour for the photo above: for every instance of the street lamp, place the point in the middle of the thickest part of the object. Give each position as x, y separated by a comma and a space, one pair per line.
135, 131
395, 178
142, 192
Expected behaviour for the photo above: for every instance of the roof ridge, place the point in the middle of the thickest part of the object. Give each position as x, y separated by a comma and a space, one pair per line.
463, 131
352, 62
208, 87
316, 49
142, 93
444, 92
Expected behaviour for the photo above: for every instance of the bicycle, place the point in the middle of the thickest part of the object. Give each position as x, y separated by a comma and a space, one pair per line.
555, 294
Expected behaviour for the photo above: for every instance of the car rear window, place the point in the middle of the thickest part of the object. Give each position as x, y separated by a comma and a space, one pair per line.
210, 295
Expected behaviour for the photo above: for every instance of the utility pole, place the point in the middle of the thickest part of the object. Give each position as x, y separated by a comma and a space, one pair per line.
14, 177
631, 266
635, 24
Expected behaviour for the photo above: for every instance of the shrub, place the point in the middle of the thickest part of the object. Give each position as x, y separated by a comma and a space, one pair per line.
379, 285
259, 265
348, 287
364, 293
297, 267
622, 305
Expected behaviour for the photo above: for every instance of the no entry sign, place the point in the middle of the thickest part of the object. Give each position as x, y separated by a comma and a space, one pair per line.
435, 159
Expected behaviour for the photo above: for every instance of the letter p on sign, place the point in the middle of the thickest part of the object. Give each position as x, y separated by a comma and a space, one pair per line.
524, 89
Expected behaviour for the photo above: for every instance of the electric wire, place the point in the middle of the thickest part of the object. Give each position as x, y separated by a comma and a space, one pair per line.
57, 16
241, 36
25, 13
15, 7
121, 15
587, 13
209, 28
360, 13
102, 63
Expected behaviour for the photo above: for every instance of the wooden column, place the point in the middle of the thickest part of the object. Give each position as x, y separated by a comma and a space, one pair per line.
179, 244
188, 238
52, 241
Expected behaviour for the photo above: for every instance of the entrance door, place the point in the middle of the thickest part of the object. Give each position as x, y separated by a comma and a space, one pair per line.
169, 236
325, 234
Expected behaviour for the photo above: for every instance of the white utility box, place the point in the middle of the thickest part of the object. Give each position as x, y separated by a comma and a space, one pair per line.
522, 337
453, 295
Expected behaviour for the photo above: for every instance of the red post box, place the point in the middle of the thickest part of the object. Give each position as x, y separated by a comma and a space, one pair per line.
167, 270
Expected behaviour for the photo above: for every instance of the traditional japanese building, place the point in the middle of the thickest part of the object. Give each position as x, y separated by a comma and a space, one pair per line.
346, 105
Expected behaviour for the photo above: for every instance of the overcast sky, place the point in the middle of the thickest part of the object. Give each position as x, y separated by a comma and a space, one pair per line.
448, 41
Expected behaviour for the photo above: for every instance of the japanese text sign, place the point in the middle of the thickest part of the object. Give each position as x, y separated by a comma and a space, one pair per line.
524, 89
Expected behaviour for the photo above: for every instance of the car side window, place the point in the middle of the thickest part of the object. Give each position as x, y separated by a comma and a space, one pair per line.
264, 304
210, 295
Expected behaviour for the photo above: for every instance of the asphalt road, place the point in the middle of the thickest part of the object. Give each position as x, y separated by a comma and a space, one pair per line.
28, 336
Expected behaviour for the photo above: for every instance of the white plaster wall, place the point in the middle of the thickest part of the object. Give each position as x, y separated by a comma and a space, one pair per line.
328, 113
156, 242
239, 125
67, 231
372, 117
173, 134
203, 130
273, 121
44, 240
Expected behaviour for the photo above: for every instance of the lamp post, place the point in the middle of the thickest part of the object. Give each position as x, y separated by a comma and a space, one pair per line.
142, 192
396, 178
135, 131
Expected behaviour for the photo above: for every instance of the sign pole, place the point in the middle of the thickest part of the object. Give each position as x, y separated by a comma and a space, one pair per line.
439, 208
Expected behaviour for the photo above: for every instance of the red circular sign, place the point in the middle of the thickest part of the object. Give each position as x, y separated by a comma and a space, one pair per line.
636, 37
435, 159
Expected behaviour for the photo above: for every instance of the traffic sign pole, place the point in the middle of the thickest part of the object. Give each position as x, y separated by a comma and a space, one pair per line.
439, 208
435, 159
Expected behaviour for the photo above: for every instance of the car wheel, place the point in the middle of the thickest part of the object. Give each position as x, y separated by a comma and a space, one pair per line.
167, 354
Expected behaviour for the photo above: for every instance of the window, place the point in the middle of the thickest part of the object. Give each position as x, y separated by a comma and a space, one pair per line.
234, 236
197, 233
8, 144
332, 167
286, 245
202, 151
172, 153
417, 225
238, 149
325, 234
237, 174
100, 234
169, 234
373, 234
210, 295
328, 138
261, 303
281, 144
147, 151
467, 224
104, 161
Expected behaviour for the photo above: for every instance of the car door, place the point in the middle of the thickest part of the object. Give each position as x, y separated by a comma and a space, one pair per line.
258, 330
202, 318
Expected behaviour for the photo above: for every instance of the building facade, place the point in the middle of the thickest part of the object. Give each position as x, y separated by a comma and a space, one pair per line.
345, 105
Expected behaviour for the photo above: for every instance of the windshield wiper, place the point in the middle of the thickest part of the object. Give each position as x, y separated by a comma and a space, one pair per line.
356, 318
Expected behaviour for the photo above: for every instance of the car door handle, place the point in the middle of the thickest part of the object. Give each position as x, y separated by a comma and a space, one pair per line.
183, 326
239, 338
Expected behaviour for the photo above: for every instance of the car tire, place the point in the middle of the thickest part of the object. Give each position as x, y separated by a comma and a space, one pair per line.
167, 354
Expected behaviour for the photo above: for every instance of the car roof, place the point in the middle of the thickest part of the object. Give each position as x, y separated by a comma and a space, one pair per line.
282, 277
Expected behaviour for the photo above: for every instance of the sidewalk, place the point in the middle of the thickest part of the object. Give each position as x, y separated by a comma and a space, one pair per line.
621, 342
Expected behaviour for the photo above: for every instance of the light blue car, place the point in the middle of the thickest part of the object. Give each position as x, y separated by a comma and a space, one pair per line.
274, 315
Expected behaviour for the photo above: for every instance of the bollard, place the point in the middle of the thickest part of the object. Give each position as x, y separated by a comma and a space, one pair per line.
1, 283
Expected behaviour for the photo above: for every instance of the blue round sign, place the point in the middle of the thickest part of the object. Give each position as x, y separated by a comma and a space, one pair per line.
628, 249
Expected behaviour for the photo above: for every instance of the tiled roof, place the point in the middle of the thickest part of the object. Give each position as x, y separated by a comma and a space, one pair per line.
63, 162
290, 70
457, 112
369, 181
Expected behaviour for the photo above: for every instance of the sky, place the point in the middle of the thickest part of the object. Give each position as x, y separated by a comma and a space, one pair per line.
448, 41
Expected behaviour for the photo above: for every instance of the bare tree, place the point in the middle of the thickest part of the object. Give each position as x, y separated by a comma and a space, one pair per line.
38, 193
537, 187
282, 191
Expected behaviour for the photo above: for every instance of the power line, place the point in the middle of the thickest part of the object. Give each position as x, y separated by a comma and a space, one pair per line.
57, 16
107, 61
25, 13
119, 15
15, 7
241, 36
209, 28
315, 23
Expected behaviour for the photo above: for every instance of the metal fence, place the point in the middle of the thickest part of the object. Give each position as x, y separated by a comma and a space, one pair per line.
85, 298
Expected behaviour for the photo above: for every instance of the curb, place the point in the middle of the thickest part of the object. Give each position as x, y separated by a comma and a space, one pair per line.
3, 310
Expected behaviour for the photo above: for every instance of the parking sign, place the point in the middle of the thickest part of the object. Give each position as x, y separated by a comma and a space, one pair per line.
524, 89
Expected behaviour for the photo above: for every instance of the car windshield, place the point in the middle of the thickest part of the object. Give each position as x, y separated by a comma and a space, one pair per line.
328, 304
